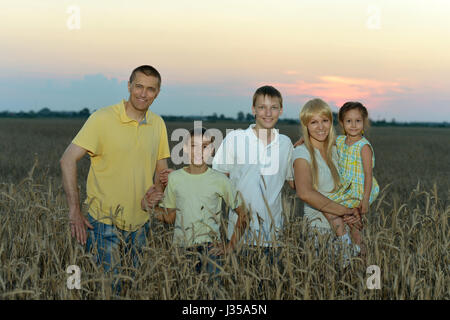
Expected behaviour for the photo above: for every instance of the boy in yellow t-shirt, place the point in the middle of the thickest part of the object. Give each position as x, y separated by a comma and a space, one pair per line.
193, 202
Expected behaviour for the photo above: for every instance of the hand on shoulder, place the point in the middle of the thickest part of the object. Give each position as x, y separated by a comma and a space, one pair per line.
299, 142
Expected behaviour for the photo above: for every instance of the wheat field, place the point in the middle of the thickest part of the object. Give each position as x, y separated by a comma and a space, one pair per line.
407, 231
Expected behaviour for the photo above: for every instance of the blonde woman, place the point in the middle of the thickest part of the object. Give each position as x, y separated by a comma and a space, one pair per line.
315, 171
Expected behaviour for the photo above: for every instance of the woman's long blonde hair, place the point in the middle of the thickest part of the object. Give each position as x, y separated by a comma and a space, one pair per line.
319, 107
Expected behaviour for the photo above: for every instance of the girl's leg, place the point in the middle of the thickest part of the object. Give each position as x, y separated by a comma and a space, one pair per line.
356, 235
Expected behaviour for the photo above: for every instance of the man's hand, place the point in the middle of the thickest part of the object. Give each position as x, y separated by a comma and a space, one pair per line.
299, 142
164, 176
151, 198
78, 224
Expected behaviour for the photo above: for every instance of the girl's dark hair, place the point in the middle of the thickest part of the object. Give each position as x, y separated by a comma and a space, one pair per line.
354, 105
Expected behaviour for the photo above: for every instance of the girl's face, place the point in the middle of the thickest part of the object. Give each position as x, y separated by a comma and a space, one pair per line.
319, 128
353, 123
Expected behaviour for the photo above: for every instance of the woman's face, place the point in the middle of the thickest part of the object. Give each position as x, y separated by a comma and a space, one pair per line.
319, 128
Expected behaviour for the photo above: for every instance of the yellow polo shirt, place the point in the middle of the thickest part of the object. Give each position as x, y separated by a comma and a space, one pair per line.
123, 160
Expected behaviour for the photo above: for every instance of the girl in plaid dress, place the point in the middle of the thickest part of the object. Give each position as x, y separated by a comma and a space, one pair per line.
356, 161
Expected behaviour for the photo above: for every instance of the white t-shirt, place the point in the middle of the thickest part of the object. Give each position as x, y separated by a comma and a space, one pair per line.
325, 183
257, 171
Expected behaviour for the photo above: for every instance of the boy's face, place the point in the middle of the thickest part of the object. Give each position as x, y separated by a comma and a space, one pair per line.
201, 149
266, 110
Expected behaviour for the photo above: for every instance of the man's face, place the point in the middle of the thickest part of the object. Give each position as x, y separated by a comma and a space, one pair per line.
143, 90
266, 110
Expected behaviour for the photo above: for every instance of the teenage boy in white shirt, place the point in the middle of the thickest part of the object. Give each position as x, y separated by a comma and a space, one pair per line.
258, 162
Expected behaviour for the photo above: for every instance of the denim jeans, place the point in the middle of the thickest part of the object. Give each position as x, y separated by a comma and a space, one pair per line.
107, 238
272, 254
204, 259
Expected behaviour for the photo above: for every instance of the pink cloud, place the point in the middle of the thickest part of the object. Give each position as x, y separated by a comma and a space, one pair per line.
338, 89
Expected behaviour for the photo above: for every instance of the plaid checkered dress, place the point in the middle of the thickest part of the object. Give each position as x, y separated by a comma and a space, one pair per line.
352, 174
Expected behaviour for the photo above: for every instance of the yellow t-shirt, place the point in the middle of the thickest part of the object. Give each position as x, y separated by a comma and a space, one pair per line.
198, 199
123, 160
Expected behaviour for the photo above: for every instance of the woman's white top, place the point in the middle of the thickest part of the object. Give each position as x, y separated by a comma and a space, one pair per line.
325, 183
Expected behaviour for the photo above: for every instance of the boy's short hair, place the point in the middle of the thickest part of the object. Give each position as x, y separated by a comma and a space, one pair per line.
148, 71
267, 91
194, 131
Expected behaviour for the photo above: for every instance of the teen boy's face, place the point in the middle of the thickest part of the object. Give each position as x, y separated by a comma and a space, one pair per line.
201, 148
266, 110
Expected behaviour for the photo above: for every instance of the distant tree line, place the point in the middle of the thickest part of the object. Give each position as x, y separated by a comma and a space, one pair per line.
84, 113
393, 123
241, 117
46, 113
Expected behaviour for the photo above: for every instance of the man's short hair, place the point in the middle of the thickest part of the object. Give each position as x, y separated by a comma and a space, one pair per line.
148, 71
267, 91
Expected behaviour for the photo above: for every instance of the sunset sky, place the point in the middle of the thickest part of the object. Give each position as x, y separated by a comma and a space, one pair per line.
394, 56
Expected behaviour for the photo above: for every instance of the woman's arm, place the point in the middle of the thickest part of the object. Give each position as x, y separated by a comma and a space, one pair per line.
306, 192
366, 156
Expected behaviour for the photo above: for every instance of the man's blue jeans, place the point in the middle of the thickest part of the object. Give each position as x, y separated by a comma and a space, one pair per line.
107, 238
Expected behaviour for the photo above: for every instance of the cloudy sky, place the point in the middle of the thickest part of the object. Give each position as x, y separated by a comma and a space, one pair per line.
67, 55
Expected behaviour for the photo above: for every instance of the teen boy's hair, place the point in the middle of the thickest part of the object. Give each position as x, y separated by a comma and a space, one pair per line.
268, 91
148, 71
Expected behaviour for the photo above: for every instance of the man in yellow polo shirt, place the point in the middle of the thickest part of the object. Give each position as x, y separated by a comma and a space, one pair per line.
127, 144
